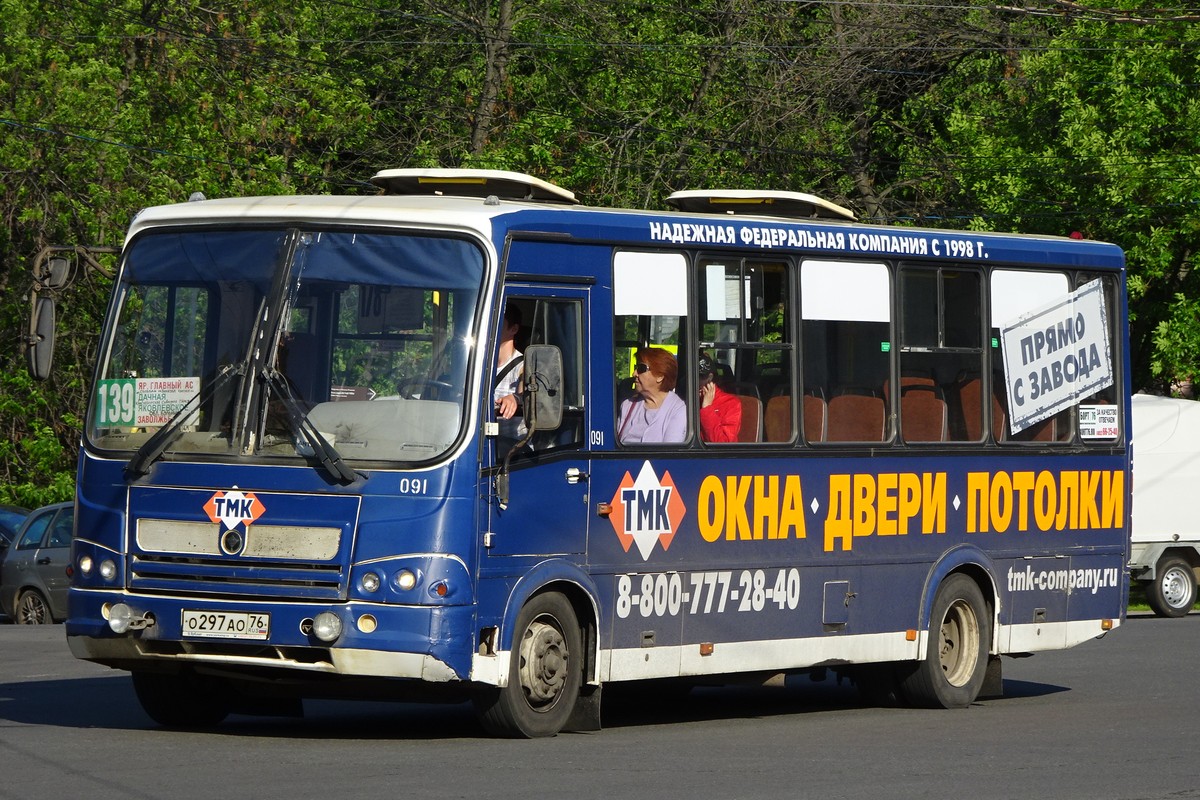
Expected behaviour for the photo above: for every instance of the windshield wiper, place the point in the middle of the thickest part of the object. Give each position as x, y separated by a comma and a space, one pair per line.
302, 427
156, 445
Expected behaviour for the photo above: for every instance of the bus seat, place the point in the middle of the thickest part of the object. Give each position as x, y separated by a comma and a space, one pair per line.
856, 415
777, 420
922, 413
968, 393
910, 378
816, 416
752, 412
743, 388
1045, 430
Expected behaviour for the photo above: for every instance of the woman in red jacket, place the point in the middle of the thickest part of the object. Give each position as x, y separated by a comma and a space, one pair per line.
720, 412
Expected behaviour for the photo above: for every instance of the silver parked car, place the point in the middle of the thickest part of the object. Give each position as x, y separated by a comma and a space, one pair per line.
34, 575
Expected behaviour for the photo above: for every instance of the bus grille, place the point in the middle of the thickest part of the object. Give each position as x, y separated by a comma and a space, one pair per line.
299, 562
225, 577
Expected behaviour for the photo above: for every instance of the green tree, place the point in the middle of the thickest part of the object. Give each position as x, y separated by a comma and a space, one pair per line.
109, 108
1097, 133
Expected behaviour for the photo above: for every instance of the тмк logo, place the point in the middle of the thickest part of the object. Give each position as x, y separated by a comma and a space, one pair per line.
234, 508
646, 510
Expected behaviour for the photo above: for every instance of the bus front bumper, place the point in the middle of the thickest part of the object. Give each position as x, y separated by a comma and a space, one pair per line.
426, 643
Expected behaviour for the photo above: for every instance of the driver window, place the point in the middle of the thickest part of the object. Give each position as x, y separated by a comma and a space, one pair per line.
526, 320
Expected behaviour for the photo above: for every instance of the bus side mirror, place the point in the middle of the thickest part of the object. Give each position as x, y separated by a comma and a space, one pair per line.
39, 345
543, 378
53, 273
50, 273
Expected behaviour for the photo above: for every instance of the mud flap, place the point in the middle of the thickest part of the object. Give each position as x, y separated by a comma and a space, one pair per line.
586, 714
993, 681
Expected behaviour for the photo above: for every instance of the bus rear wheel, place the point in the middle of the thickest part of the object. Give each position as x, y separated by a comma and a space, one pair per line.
181, 701
1172, 593
545, 673
955, 664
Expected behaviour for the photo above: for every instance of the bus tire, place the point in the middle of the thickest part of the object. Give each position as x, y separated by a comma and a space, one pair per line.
545, 673
951, 673
181, 701
1172, 593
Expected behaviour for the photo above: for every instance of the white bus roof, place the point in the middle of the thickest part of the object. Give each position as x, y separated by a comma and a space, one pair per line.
797, 205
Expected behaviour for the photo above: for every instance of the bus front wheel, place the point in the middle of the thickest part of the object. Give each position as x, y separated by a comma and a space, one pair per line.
181, 701
545, 672
955, 664
1172, 593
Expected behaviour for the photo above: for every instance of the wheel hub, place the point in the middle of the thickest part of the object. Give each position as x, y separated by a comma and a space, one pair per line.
1175, 588
544, 663
32, 611
960, 635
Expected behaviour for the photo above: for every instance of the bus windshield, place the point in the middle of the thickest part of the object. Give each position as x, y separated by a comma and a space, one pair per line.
239, 341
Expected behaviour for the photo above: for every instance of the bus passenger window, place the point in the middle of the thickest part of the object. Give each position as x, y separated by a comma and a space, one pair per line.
941, 355
1042, 324
650, 299
846, 329
745, 334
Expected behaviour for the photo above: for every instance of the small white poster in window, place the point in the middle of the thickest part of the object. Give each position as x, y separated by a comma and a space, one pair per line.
1098, 422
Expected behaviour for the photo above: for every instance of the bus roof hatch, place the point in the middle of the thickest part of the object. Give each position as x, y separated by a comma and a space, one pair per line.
763, 203
471, 183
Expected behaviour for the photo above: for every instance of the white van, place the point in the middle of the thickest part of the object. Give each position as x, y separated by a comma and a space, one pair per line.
1166, 479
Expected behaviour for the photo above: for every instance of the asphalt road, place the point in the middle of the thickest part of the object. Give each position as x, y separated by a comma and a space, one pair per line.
1114, 718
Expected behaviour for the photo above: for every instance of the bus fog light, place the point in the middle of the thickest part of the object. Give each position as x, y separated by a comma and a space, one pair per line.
370, 582
405, 579
108, 569
367, 623
327, 626
120, 617
86, 564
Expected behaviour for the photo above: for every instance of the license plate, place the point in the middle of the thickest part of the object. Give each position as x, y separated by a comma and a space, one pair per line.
226, 624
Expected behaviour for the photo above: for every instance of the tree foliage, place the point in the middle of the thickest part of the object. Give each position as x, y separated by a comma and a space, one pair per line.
1052, 118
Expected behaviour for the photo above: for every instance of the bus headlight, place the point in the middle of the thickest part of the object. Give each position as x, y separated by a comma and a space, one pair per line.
406, 579
370, 582
85, 565
108, 569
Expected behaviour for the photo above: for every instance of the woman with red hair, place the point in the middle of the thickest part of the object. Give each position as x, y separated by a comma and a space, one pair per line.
657, 414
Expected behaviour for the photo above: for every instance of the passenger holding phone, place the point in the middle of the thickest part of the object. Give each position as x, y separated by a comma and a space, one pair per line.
720, 412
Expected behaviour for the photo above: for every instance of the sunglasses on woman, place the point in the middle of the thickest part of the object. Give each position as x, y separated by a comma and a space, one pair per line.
640, 368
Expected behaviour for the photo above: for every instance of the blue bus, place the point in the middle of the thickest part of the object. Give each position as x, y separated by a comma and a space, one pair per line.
750, 436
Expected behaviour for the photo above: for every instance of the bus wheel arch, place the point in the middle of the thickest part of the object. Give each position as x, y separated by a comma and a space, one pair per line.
548, 665
951, 672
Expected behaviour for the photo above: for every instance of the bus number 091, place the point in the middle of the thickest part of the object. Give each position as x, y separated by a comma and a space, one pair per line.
414, 486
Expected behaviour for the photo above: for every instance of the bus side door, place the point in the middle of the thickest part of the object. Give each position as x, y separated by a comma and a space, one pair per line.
548, 490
